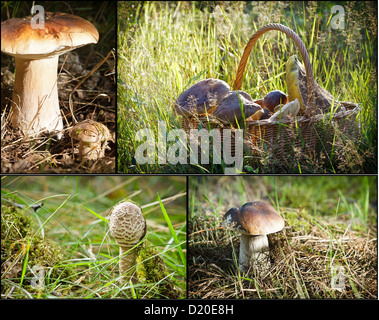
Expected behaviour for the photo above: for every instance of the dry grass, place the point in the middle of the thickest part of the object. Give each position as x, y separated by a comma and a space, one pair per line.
303, 264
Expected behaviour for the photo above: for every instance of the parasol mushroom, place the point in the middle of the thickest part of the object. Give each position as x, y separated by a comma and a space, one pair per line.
128, 226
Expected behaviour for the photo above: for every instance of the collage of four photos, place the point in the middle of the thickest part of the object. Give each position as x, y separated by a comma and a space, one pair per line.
189, 150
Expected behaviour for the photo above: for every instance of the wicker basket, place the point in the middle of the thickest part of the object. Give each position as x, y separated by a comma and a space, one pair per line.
303, 135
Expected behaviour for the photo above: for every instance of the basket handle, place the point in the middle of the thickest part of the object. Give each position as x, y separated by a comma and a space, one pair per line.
303, 51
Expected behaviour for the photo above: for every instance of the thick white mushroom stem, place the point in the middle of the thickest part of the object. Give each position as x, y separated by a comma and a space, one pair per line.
254, 252
128, 263
35, 106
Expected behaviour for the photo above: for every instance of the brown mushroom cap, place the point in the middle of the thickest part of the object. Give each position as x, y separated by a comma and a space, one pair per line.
254, 218
229, 109
204, 96
90, 131
274, 98
63, 32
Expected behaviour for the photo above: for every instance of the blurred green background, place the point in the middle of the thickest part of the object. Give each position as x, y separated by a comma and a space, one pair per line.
98, 193
352, 198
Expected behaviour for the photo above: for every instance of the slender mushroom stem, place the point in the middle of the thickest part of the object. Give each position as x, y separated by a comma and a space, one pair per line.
35, 106
128, 257
254, 252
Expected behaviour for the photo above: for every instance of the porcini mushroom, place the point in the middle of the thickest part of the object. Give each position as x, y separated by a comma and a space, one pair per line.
35, 103
229, 109
203, 97
93, 137
254, 221
128, 226
290, 109
273, 99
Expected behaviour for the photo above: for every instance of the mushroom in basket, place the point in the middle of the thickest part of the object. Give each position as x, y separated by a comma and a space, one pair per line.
236, 106
272, 100
201, 98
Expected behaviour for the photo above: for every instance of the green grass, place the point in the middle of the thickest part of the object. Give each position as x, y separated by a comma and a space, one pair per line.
330, 227
74, 222
166, 47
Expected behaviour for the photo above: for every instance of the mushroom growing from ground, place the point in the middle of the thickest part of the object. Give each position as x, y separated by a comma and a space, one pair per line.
93, 137
254, 221
203, 97
128, 226
35, 103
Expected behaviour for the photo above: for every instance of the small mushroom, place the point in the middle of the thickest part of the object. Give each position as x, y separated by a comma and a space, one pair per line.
128, 226
93, 137
35, 103
203, 97
229, 109
274, 98
290, 109
254, 220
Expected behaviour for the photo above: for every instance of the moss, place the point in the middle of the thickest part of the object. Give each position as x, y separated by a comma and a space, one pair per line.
19, 245
151, 269
299, 220
14, 224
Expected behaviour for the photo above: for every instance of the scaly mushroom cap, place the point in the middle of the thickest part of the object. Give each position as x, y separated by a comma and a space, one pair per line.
127, 224
229, 109
63, 32
90, 131
254, 218
204, 96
